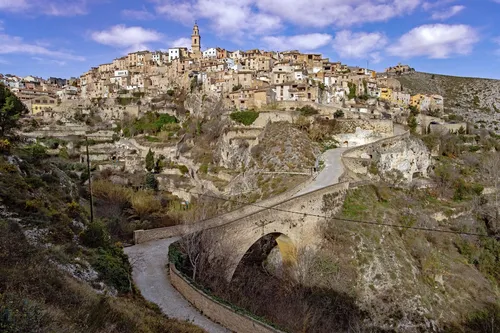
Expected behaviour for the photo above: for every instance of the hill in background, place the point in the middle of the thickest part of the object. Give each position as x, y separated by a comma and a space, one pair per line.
475, 99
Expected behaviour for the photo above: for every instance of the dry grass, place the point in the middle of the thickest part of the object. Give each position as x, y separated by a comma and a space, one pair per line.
145, 203
109, 191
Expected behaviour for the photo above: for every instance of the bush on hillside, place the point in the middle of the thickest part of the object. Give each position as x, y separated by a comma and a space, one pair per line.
95, 235
113, 268
244, 117
308, 110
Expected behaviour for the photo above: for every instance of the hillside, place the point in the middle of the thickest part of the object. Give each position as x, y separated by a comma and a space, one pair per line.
476, 99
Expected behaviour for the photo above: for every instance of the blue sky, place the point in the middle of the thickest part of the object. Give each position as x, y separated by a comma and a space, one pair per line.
66, 37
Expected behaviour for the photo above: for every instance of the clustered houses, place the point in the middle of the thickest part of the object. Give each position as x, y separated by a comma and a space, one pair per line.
40, 95
249, 79
246, 79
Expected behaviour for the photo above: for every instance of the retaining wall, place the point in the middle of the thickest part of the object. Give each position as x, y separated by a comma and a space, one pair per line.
214, 310
355, 166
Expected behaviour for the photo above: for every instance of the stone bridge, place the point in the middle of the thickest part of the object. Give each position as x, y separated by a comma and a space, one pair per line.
295, 224
293, 220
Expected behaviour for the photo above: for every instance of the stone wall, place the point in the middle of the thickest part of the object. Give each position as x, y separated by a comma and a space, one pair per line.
324, 110
376, 125
447, 128
214, 310
266, 117
402, 154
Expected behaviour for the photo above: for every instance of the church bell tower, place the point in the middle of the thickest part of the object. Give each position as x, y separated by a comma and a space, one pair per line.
196, 41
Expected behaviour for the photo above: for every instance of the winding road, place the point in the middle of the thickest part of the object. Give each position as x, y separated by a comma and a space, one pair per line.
149, 260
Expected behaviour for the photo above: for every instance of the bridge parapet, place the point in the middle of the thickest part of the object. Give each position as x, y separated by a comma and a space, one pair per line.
143, 236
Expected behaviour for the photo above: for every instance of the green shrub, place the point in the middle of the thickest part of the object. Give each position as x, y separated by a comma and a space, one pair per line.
150, 160
96, 235
63, 153
73, 209
204, 168
175, 255
152, 138
151, 182
123, 101
182, 168
352, 90
244, 117
338, 114
113, 268
308, 110
36, 152
4, 146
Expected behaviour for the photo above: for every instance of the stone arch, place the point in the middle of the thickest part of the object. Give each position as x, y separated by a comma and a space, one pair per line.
286, 246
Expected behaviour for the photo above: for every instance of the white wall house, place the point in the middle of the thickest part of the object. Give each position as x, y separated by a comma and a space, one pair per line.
210, 53
236, 54
174, 53
298, 75
122, 73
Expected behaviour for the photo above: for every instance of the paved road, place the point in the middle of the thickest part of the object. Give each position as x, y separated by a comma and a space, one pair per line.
150, 275
330, 174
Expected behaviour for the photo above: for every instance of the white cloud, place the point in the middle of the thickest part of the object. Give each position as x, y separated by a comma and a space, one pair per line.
13, 5
51, 8
16, 45
447, 13
43, 61
322, 13
4, 62
182, 11
181, 42
359, 44
437, 3
142, 14
227, 17
436, 41
129, 38
299, 42
266, 16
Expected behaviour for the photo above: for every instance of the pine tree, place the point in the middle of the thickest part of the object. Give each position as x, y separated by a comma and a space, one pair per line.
11, 109
150, 161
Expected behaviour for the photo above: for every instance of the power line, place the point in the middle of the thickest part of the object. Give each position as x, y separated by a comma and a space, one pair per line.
390, 225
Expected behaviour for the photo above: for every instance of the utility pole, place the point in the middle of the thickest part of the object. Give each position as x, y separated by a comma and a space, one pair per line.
90, 183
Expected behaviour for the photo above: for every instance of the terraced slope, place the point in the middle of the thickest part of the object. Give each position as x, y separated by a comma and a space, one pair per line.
475, 99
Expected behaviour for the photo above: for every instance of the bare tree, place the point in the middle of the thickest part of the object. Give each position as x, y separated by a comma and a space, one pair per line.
192, 247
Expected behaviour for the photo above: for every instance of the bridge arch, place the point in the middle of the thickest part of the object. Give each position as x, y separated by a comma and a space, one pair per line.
258, 248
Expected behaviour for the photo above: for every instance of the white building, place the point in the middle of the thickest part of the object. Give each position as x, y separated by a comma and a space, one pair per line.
159, 58
121, 73
174, 53
237, 54
210, 53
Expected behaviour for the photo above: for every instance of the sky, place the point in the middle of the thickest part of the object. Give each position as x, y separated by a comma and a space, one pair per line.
64, 38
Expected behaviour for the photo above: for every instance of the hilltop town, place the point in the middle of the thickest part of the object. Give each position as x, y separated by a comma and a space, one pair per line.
244, 80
